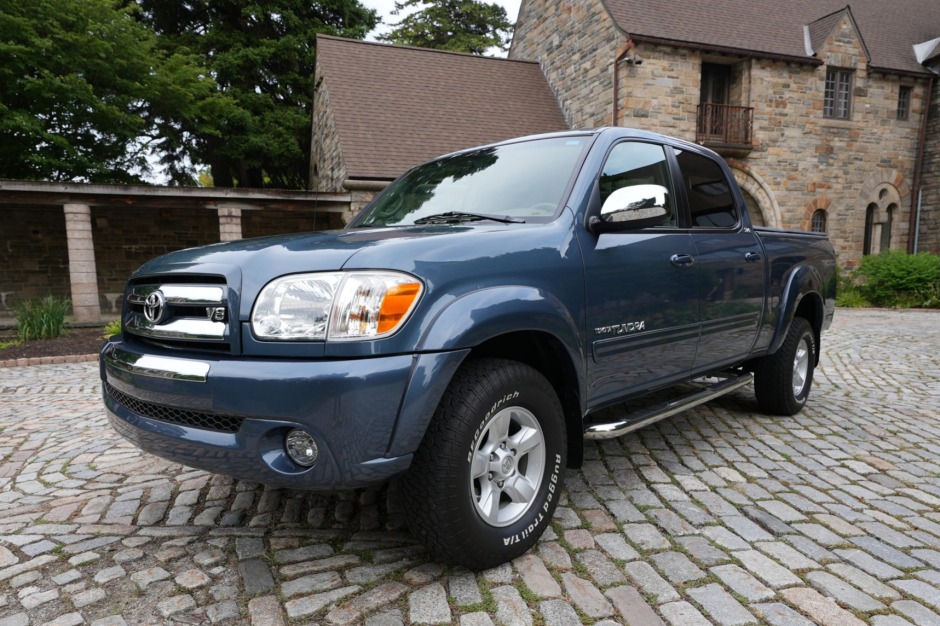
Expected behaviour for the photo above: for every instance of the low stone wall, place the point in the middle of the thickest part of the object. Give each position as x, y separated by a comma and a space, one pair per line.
34, 256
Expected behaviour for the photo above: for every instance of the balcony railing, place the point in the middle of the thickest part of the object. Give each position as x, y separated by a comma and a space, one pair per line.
724, 128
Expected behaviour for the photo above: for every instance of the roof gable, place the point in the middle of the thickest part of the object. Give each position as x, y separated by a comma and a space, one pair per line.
819, 31
789, 30
395, 106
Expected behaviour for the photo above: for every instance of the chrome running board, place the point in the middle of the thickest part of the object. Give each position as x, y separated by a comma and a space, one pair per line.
729, 381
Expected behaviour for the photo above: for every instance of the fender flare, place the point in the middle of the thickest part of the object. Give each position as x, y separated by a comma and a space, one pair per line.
803, 282
480, 315
464, 323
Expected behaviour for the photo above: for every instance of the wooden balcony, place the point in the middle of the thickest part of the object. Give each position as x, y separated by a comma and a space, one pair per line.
726, 129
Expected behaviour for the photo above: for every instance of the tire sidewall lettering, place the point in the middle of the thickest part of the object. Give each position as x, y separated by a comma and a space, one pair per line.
497, 406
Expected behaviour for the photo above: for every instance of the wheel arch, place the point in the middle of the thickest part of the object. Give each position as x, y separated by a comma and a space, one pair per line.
802, 297
517, 323
546, 354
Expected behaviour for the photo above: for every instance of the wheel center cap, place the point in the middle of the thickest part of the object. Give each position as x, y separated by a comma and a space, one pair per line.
507, 465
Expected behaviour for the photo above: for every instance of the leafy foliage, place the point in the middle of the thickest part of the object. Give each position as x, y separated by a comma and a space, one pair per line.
848, 293
89, 87
457, 25
892, 279
253, 130
41, 319
897, 279
78, 79
111, 328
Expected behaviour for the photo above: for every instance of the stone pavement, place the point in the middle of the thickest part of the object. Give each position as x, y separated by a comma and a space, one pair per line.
717, 516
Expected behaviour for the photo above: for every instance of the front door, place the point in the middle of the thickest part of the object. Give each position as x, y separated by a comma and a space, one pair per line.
642, 287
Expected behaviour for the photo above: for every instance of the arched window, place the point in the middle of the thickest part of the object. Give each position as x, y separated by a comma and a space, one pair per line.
819, 221
870, 214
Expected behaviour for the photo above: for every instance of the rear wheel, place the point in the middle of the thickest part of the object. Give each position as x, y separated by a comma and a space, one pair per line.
485, 482
782, 380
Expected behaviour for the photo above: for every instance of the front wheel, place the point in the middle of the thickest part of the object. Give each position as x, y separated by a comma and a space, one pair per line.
485, 481
782, 380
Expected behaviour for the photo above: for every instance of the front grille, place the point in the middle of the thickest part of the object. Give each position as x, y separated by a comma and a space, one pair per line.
181, 312
173, 415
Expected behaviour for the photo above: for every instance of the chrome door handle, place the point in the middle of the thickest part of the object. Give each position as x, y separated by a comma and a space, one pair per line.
752, 257
682, 260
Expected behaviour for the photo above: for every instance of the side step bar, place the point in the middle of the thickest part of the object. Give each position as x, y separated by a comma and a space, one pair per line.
729, 382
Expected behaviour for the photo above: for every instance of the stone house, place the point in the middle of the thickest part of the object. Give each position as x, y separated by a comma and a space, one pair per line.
820, 108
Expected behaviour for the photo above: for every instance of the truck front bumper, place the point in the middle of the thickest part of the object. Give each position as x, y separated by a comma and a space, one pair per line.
231, 415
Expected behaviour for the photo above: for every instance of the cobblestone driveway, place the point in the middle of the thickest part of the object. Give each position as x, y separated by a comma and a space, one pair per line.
718, 516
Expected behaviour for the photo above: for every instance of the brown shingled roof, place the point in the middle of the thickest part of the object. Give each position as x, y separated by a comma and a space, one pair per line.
775, 28
396, 106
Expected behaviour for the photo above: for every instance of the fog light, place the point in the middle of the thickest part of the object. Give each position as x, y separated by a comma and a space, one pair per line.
301, 447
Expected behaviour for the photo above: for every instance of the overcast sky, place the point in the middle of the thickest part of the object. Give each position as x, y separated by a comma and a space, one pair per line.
385, 8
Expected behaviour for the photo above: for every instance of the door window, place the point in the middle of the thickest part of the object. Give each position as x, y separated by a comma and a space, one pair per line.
711, 203
639, 175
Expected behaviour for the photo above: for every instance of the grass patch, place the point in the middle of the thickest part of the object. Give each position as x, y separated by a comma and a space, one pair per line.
41, 319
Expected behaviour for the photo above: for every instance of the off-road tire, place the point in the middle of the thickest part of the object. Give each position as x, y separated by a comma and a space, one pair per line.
443, 502
774, 378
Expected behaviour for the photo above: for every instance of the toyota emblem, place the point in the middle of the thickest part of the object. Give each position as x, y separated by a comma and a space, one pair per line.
154, 307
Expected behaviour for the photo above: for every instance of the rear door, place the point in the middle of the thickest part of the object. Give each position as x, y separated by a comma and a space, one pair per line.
641, 283
730, 259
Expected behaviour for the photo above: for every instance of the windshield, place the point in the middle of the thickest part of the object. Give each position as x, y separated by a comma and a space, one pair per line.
520, 181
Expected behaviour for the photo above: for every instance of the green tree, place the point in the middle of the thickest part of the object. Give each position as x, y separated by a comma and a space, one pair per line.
458, 25
254, 131
79, 81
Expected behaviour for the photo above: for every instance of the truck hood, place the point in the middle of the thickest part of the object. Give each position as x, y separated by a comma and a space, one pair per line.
250, 264
284, 254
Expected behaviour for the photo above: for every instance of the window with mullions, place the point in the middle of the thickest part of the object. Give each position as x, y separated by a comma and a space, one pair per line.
904, 102
819, 221
838, 97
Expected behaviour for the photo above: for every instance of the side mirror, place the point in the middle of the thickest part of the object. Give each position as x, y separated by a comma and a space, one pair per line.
636, 206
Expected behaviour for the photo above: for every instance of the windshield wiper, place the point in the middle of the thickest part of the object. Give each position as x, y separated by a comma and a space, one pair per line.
453, 217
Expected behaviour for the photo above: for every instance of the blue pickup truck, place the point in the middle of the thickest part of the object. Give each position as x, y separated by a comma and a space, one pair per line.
481, 318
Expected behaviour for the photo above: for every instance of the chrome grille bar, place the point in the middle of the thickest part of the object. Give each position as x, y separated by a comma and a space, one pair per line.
190, 329
181, 295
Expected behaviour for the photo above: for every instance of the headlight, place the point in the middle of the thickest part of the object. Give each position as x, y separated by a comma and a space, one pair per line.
334, 305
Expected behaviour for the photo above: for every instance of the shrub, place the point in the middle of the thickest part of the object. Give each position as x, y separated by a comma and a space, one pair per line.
112, 328
41, 319
897, 279
848, 293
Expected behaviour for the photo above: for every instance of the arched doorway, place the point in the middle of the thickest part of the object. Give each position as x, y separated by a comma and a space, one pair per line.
753, 208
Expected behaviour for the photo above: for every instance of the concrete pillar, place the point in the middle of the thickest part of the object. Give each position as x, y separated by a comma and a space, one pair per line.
83, 274
230, 224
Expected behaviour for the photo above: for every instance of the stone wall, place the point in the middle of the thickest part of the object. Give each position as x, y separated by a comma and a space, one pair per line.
34, 258
663, 93
278, 221
126, 237
574, 42
327, 169
801, 162
930, 209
